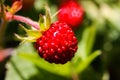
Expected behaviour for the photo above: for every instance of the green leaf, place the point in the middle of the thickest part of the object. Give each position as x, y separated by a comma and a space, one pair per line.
19, 69
84, 64
26, 52
59, 69
86, 42
21, 66
90, 39
27, 47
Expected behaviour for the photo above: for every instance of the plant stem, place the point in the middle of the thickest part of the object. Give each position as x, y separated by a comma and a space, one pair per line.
2, 9
3, 24
2, 32
74, 74
26, 20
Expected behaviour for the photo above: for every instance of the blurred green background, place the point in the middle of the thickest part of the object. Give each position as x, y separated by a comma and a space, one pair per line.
98, 55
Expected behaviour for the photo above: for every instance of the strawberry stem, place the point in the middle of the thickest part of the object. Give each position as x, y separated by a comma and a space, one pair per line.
28, 21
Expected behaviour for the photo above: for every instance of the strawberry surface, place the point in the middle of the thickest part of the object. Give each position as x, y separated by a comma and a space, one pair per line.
71, 13
58, 44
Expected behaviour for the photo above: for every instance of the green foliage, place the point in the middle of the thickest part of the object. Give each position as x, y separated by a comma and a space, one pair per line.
66, 69
98, 46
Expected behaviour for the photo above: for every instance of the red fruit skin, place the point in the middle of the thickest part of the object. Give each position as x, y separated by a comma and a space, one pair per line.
58, 44
64, 1
71, 13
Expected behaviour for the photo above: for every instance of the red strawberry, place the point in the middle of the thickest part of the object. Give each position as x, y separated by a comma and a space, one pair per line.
71, 13
63, 1
58, 44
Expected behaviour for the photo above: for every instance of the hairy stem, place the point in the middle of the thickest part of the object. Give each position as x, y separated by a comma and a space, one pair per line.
26, 20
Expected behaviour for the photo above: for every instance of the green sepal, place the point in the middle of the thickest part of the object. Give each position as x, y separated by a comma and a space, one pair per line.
48, 16
32, 35
42, 23
45, 21
24, 39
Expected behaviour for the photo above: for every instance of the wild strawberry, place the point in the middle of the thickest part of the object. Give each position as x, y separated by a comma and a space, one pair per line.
58, 44
71, 13
63, 1
55, 42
